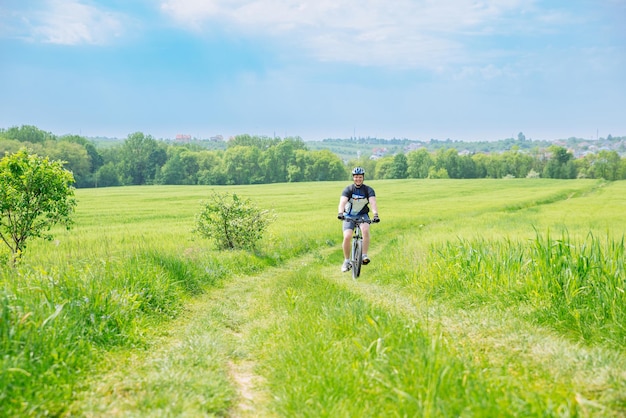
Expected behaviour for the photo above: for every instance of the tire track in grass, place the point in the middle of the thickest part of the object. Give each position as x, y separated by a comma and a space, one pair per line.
596, 376
242, 304
246, 381
236, 303
180, 373
200, 365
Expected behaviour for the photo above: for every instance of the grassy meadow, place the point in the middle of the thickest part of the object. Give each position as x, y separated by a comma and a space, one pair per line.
484, 298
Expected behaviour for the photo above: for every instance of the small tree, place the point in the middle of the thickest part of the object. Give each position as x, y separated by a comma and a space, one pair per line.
232, 222
35, 194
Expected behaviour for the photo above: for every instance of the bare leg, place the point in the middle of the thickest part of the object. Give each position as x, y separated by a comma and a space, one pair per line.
347, 236
366, 237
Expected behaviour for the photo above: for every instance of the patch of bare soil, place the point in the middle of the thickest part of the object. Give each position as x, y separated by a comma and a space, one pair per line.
246, 381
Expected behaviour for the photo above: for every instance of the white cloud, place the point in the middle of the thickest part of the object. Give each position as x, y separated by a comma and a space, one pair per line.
68, 22
402, 33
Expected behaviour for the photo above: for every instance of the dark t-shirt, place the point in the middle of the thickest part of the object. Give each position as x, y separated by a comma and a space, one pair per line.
358, 199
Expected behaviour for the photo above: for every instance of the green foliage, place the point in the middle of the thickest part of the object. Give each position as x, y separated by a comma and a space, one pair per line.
418, 164
603, 165
232, 222
399, 167
81, 156
35, 195
242, 165
326, 167
246, 140
107, 176
94, 155
250, 159
561, 164
441, 173
383, 168
27, 133
76, 160
448, 160
141, 159
182, 167
278, 159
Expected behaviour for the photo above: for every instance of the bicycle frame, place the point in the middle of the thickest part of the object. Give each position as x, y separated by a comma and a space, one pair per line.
356, 253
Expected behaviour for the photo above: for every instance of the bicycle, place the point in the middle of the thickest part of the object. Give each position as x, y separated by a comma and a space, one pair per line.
356, 253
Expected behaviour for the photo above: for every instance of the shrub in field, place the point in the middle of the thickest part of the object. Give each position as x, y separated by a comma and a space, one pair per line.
232, 222
35, 194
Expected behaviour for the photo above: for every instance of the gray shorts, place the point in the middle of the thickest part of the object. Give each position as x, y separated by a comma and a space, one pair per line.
349, 224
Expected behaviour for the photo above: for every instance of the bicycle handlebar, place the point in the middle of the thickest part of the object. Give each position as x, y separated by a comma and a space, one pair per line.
359, 220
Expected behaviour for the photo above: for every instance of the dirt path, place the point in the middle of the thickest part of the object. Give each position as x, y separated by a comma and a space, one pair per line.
238, 299
205, 350
247, 382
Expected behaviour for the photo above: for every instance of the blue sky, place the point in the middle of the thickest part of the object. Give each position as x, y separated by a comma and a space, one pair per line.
419, 69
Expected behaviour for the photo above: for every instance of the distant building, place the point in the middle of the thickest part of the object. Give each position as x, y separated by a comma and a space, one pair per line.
183, 138
379, 152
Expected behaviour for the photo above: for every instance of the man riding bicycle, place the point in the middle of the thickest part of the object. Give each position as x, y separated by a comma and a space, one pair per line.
354, 203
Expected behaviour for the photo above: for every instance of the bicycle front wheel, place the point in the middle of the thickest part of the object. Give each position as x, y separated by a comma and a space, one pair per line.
357, 259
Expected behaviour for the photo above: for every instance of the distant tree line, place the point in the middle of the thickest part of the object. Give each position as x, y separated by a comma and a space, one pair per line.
555, 162
141, 159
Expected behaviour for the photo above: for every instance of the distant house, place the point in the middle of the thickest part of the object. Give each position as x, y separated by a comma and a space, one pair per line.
379, 152
183, 138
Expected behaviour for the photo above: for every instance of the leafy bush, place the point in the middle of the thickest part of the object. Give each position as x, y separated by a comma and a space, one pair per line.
35, 194
232, 222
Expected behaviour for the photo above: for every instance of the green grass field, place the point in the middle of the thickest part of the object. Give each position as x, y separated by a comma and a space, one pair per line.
484, 298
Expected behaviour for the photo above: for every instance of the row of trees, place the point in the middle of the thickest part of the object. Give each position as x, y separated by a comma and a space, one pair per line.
141, 159
555, 162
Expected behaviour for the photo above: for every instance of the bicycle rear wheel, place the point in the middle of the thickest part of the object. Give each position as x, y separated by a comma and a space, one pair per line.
357, 258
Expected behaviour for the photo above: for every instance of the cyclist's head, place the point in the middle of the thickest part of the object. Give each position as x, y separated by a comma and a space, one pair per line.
358, 171
358, 175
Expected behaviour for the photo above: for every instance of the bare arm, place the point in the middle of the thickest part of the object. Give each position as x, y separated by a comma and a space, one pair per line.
342, 204
373, 205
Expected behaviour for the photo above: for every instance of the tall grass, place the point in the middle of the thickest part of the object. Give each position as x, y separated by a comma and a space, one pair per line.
575, 286
55, 322
584, 284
